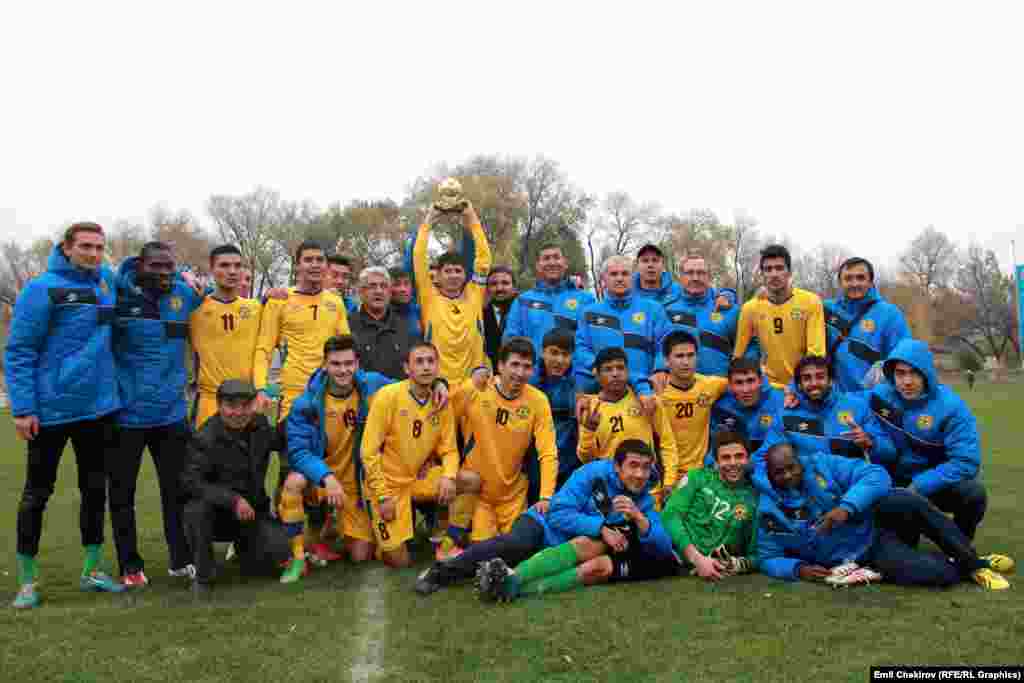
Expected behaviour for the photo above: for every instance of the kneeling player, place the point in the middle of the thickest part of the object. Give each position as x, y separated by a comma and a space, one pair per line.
711, 516
403, 431
608, 501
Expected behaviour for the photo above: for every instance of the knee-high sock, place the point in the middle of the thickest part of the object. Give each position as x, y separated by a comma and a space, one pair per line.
549, 562
460, 514
563, 581
293, 515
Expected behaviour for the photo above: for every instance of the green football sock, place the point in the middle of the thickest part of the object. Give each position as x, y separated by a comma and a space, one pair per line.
567, 580
548, 562
92, 559
26, 569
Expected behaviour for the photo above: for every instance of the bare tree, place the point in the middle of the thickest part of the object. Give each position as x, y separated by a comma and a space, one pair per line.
744, 250
20, 264
988, 292
250, 222
817, 269
931, 260
626, 222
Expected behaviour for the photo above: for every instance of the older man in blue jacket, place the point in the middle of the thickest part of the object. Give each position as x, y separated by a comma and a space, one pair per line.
62, 386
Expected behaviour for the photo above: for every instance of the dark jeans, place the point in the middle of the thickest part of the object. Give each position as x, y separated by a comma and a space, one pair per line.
90, 439
525, 538
262, 544
166, 446
967, 500
902, 517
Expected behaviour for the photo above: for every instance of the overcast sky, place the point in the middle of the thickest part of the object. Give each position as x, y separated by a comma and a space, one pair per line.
858, 125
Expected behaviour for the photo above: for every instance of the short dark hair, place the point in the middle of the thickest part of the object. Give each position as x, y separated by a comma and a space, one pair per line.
740, 365
75, 228
561, 338
775, 251
521, 346
502, 269
634, 446
856, 261
307, 245
450, 258
811, 361
727, 437
398, 273
778, 447
422, 344
676, 338
341, 342
550, 245
338, 260
607, 355
223, 250
149, 247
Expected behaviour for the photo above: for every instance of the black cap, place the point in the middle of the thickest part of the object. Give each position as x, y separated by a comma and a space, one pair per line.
236, 389
650, 247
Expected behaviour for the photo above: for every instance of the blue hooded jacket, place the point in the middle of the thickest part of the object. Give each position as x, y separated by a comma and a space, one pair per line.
636, 325
537, 311
935, 436
150, 345
816, 427
411, 313
759, 423
59, 364
787, 536
307, 434
668, 290
872, 339
583, 506
561, 393
716, 330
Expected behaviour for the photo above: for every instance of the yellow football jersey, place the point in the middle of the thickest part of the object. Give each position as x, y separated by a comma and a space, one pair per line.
400, 435
224, 337
625, 419
498, 432
340, 427
455, 326
689, 412
300, 324
787, 332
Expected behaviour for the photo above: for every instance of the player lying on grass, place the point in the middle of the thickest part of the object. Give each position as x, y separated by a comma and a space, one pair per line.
827, 518
605, 503
710, 517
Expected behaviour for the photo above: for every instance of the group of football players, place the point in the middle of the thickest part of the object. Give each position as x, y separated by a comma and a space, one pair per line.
546, 438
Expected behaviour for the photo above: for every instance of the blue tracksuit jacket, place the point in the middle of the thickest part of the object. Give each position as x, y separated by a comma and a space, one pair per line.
561, 393
307, 434
759, 423
872, 339
668, 290
716, 330
636, 325
583, 505
150, 344
786, 534
536, 312
59, 364
816, 427
936, 436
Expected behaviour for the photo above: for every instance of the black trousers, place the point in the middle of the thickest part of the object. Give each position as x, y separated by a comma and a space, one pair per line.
967, 500
525, 538
166, 446
262, 544
90, 440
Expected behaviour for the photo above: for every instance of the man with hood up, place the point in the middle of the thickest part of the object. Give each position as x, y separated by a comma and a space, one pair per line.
862, 327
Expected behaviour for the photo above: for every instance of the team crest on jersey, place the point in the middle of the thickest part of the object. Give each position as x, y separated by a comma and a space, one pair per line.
740, 512
821, 481
331, 306
244, 312
925, 421
103, 287
704, 400
638, 317
176, 303
486, 405
523, 412
867, 325
634, 411
571, 304
797, 315
766, 420
435, 420
716, 317
844, 417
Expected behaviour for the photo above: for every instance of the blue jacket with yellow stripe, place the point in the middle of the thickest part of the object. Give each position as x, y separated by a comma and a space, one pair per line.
880, 328
817, 426
58, 363
758, 423
150, 345
634, 324
715, 329
537, 311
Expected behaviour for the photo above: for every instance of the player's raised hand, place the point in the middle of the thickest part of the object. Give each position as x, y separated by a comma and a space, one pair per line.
387, 509
614, 539
244, 511
837, 516
439, 395
625, 506
592, 415
859, 436
480, 378
659, 381
649, 404
542, 506
789, 399
192, 281
445, 491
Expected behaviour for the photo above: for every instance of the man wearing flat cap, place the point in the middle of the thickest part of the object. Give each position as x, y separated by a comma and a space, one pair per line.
224, 476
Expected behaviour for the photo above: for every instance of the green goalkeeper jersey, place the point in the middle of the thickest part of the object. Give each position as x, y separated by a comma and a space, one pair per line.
708, 513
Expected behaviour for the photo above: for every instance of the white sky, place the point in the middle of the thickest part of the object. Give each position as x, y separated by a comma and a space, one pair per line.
857, 124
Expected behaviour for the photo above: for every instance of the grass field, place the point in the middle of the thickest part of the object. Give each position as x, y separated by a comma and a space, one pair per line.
347, 623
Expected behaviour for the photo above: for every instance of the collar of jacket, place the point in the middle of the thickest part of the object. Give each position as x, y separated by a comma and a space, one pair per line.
708, 297
387, 321
624, 301
815, 406
59, 263
853, 307
561, 286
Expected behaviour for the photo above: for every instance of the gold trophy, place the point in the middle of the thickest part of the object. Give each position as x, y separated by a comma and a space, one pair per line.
449, 197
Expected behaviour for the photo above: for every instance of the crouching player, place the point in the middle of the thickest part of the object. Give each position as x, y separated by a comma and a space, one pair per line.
403, 431
836, 519
711, 516
607, 502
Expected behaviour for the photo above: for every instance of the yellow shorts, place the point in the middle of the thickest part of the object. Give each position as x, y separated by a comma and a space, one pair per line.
390, 536
353, 522
206, 407
491, 519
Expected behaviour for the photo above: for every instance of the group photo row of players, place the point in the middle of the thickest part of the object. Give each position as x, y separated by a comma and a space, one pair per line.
546, 438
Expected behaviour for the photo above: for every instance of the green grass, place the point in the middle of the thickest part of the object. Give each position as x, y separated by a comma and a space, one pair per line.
367, 620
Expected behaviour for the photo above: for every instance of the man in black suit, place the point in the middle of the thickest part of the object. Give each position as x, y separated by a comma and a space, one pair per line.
501, 292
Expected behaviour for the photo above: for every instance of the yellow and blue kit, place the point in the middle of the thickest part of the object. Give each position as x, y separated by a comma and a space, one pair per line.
689, 412
787, 332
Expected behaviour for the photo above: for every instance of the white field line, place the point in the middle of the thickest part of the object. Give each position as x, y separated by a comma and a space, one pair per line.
372, 628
